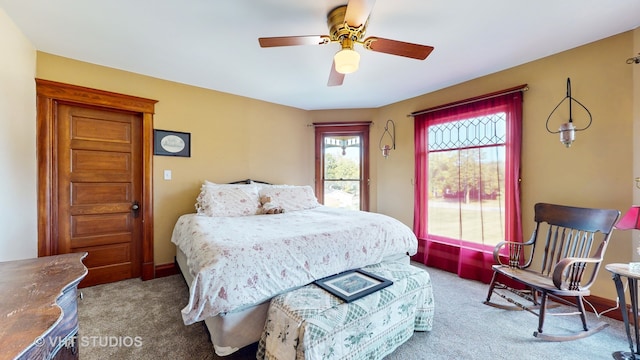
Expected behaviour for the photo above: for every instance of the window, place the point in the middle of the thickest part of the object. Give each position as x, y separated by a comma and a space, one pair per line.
466, 179
467, 182
342, 166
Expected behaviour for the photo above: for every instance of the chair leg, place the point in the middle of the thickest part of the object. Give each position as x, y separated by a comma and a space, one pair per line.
492, 285
534, 296
583, 315
574, 336
541, 313
516, 306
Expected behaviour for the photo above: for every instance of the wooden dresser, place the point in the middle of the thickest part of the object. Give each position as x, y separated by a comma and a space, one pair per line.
38, 307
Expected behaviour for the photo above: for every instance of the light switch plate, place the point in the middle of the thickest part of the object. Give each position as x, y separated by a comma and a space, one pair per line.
167, 174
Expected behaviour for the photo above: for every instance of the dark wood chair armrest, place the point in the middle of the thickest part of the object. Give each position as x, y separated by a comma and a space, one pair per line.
573, 280
514, 251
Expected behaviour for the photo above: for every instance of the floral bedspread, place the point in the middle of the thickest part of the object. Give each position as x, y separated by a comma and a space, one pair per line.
238, 262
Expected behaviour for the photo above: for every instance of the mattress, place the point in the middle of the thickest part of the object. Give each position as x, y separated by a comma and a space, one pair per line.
234, 265
240, 262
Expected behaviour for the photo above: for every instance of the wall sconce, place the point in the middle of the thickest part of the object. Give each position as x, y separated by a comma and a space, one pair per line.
567, 130
386, 149
634, 60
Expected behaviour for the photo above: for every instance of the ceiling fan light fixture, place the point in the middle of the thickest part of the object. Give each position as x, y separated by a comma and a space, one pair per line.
347, 26
346, 61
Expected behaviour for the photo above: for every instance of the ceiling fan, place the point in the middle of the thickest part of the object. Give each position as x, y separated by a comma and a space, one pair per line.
347, 26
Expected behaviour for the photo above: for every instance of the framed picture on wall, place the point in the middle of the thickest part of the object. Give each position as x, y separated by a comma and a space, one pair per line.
171, 143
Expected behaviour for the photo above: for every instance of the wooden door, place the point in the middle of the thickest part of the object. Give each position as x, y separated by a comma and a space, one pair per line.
95, 156
99, 190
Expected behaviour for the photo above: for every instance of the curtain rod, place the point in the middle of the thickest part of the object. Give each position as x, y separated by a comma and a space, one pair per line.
512, 90
332, 124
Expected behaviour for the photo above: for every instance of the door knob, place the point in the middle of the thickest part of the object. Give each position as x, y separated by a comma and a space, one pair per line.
135, 207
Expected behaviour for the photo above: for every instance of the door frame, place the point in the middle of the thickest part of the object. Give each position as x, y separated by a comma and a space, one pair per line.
48, 94
343, 128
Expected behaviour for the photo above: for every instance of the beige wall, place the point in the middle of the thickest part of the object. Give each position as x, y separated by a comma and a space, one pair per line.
596, 171
18, 239
235, 137
232, 138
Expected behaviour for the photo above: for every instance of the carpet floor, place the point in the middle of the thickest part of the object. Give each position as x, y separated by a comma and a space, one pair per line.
136, 319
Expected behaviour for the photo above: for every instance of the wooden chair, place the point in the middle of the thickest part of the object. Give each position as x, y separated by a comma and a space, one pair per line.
573, 242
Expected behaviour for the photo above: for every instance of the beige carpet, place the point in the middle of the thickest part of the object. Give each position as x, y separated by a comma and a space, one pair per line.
137, 319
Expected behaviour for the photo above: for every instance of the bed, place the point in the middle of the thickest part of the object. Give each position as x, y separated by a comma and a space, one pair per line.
247, 243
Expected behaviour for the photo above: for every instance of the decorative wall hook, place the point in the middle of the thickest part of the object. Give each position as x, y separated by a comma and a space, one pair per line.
567, 130
386, 149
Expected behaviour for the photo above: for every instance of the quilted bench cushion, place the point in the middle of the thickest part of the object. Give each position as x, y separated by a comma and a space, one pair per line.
310, 323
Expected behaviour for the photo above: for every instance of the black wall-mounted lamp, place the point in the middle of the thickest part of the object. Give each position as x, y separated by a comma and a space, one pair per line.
567, 130
386, 149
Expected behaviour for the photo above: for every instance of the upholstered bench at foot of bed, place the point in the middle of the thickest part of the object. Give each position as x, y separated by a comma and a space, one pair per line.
310, 323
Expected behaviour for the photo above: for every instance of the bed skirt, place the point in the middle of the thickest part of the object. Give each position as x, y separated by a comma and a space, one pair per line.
232, 331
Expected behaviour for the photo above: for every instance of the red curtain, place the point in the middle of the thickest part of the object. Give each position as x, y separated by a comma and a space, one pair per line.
472, 262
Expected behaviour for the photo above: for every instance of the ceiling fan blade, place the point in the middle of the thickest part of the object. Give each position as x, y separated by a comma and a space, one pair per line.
293, 40
358, 12
400, 48
335, 78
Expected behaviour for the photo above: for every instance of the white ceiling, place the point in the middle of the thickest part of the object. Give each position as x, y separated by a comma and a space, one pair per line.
214, 43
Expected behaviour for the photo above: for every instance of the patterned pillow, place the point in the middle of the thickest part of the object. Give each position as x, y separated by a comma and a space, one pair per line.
227, 199
290, 197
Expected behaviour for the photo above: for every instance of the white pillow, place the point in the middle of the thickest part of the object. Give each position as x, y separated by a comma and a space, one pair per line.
227, 199
290, 197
